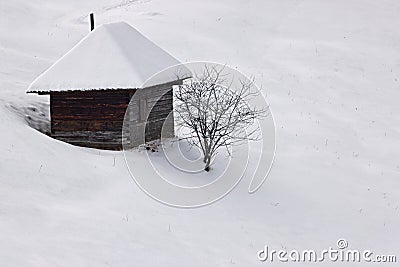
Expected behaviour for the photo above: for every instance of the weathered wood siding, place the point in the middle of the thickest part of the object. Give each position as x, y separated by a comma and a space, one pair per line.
96, 118
89, 118
158, 116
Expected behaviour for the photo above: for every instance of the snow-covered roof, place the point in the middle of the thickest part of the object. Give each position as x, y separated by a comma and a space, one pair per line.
113, 56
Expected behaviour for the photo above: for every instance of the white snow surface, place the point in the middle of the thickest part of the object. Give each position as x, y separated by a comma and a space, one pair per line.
112, 56
331, 71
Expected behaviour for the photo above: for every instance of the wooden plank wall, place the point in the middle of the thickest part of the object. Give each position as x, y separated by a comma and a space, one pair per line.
159, 100
96, 118
89, 118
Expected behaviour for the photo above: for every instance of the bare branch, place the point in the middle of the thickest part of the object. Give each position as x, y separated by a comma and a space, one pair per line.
215, 114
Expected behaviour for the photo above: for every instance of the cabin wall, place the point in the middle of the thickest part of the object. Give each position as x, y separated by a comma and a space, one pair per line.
96, 118
149, 112
89, 118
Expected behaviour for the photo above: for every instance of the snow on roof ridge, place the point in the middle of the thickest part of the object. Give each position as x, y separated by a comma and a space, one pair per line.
110, 26
113, 55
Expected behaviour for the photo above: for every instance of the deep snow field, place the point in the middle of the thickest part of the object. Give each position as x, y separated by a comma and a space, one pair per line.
331, 72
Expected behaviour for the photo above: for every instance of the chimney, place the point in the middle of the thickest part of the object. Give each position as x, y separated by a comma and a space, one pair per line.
91, 22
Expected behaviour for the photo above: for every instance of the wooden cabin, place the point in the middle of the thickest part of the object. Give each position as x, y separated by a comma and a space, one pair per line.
111, 89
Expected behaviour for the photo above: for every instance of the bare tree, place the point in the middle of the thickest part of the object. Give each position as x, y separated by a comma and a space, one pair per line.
216, 114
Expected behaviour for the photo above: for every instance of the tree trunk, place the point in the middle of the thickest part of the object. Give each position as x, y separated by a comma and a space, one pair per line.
208, 161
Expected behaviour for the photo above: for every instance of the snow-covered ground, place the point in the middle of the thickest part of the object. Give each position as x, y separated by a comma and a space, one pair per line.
331, 71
